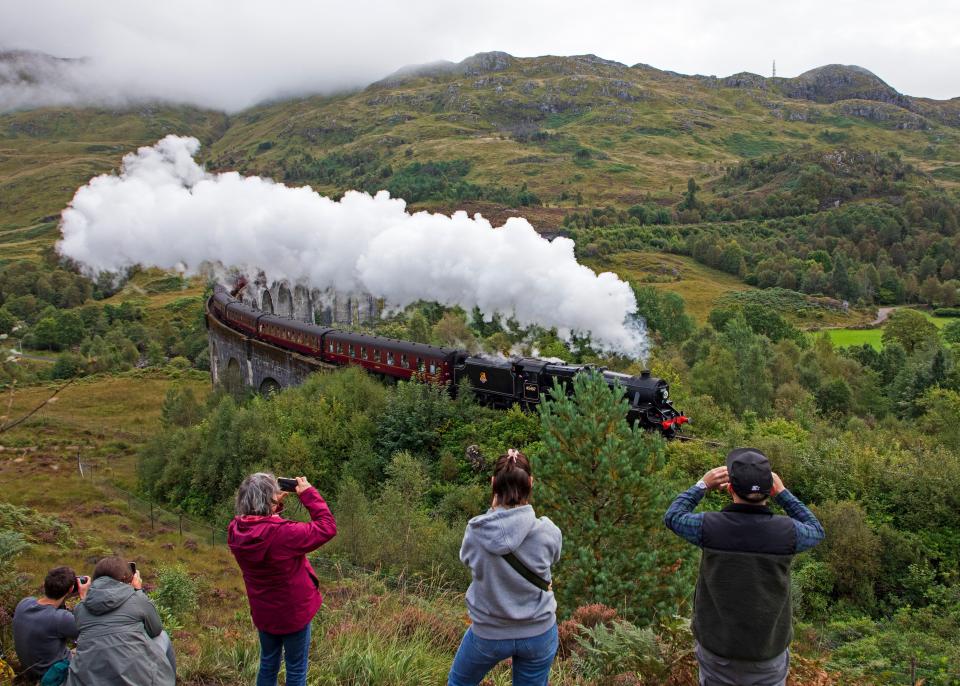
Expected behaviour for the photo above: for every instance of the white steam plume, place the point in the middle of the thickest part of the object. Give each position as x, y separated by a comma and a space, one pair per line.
164, 210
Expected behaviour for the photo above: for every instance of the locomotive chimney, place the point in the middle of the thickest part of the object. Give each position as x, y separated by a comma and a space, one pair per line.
645, 374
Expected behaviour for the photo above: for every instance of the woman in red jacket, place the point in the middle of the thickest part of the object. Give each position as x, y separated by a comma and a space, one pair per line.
281, 585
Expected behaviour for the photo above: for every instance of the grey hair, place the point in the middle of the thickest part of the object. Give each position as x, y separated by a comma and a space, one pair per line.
256, 494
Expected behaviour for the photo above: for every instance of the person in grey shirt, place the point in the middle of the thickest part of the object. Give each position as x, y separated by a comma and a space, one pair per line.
42, 626
509, 551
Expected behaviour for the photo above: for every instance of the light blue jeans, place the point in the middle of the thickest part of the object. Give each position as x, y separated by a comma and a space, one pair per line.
295, 648
532, 658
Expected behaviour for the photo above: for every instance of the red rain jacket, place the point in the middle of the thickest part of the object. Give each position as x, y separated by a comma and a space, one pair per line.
272, 553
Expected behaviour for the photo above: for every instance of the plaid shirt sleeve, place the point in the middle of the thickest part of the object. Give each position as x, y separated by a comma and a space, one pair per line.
680, 518
809, 530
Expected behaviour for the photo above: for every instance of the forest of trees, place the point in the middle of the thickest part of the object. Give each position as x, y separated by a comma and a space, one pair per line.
875, 253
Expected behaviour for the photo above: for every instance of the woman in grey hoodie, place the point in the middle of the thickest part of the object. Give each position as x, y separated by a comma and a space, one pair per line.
510, 602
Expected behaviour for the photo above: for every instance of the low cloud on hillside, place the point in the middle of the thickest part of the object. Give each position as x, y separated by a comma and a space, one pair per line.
230, 55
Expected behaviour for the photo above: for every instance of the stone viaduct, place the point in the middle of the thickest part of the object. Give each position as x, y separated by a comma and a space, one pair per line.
238, 361
324, 307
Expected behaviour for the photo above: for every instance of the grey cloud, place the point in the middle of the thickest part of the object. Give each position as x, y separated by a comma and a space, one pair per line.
230, 55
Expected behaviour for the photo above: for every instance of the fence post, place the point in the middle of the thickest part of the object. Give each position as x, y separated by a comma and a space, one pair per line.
151, 514
913, 671
213, 536
181, 527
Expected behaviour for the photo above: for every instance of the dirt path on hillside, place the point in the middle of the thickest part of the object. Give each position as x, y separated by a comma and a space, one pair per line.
882, 315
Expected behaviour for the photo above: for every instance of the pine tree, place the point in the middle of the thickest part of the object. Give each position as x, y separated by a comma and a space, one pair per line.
598, 482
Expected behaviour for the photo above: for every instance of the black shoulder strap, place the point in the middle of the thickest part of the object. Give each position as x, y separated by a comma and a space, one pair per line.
525, 572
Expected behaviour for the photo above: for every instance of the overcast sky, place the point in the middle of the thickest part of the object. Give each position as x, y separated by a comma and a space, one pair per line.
231, 54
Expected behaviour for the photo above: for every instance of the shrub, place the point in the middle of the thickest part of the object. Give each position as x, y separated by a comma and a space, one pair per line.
176, 591
951, 332
851, 550
33, 526
12, 544
608, 650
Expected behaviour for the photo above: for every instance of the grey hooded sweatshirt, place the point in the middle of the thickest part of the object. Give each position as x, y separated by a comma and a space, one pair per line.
500, 602
117, 626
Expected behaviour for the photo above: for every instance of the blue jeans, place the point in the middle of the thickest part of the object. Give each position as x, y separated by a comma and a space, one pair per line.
532, 658
295, 648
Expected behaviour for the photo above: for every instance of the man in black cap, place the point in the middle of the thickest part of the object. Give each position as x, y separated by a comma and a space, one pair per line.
742, 614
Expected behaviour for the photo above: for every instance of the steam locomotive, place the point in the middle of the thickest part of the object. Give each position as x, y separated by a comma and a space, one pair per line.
495, 382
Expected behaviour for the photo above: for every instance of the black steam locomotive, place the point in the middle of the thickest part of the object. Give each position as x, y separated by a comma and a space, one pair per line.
496, 382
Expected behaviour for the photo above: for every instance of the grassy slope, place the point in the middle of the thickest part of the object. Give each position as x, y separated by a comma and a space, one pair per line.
700, 286
648, 131
46, 154
371, 630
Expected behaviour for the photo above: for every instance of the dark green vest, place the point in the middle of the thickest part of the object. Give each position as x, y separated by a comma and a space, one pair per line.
742, 608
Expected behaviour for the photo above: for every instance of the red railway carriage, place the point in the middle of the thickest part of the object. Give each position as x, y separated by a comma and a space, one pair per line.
219, 302
388, 356
242, 316
292, 334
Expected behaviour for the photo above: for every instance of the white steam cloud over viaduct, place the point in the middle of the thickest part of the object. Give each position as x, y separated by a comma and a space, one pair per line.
165, 210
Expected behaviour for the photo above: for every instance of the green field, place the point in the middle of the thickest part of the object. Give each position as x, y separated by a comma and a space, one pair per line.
874, 337
843, 338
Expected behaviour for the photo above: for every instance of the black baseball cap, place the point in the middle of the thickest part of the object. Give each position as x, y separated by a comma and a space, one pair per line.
749, 472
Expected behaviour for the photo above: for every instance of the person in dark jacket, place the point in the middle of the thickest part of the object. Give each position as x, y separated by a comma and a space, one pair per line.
121, 640
510, 601
42, 626
282, 587
742, 613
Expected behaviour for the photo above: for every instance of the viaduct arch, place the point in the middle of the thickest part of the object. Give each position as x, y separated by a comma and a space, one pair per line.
238, 361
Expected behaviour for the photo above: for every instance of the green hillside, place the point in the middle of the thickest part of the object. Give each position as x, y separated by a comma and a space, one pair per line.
556, 131
741, 209
565, 126
46, 154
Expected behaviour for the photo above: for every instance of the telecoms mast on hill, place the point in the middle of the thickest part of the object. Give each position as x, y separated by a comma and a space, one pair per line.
774, 75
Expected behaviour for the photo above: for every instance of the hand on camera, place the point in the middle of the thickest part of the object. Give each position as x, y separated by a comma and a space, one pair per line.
83, 587
716, 479
778, 486
302, 484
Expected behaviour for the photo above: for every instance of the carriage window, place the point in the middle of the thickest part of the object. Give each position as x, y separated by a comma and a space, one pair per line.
363, 353
331, 346
420, 366
376, 354
433, 367
351, 350
339, 347
404, 362
390, 358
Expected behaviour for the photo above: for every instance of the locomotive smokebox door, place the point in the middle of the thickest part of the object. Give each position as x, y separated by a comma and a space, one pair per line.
526, 374
531, 391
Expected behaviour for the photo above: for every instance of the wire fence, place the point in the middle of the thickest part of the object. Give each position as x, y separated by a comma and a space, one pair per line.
161, 519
